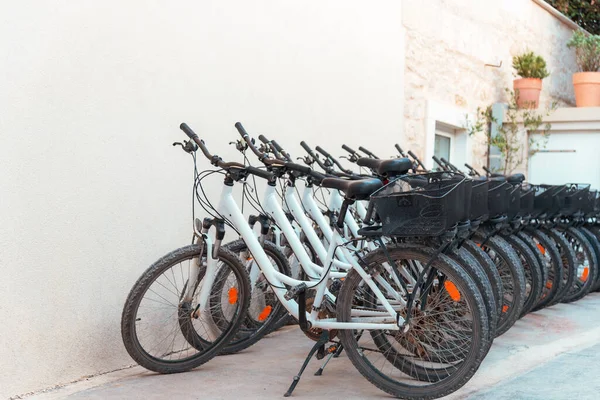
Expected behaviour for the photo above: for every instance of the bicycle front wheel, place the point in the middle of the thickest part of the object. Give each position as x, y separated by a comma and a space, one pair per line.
447, 335
164, 333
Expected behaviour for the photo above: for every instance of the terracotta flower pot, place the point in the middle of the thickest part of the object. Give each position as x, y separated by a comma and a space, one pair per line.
587, 89
527, 91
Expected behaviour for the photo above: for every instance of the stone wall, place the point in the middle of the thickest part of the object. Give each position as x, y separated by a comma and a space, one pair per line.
448, 43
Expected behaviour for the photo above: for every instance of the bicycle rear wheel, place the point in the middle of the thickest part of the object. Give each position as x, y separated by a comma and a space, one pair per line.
164, 333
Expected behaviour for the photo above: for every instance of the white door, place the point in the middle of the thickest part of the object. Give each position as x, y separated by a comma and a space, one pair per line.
572, 157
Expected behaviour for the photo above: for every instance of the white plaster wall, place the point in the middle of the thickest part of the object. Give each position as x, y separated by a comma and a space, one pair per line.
448, 43
91, 96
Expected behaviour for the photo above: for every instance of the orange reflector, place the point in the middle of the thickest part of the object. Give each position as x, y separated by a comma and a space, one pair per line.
549, 285
452, 290
504, 308
233, 295
542, 249
586, 272
264, 314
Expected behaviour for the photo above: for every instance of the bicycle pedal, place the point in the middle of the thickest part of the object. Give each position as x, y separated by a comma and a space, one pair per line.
294, 292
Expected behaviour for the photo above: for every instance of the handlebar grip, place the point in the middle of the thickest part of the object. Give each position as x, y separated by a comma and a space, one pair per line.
367, 152
276, 145
440, 163
305, 147
281, 150
188, 131
397, 146
468, 166
320, 150
241, 130
348, 149
260, 172
410, 153
262, 138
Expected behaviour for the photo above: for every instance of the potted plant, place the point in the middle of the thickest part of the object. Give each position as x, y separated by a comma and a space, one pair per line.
532, 69
586, 82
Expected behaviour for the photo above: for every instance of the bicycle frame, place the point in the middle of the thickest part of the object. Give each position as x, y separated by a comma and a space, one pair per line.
388, 318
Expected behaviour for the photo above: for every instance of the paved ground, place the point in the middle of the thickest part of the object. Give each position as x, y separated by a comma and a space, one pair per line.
552, 354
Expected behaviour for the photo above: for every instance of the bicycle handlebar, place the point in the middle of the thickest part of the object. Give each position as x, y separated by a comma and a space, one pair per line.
214, 159
348, 149
334, 160
450, 165
440, 163
272, 148
400, 150
281, 151
314, 156
264, 158
420, 164
367, 152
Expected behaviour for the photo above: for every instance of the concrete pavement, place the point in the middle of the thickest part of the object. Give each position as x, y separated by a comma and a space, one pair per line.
551, 354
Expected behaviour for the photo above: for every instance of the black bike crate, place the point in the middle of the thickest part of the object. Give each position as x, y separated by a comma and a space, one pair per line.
479, 198
498, 196
589, 206
514, 200
527, 199
429, 204
549, 200
464, 210
575, 198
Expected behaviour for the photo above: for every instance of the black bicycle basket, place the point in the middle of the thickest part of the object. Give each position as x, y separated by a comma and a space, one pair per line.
421, 204
575, 198
498, 196
514, 200
527, 199
549, 200
479, 198
589, 207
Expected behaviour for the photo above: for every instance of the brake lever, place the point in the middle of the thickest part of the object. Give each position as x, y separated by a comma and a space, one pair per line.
307, 160
188, 146
240, 145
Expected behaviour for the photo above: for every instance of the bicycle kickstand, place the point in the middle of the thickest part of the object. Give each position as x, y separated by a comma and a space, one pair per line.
320, 343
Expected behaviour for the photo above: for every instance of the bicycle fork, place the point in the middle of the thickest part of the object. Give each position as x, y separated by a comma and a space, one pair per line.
205, 242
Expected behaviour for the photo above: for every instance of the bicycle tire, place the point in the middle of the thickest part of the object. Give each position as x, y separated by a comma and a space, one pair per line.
528, 240
586, 265
533, 272
475, 270
513, 278
548, 251
207, 350
593, 235
490, 269
567, 257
